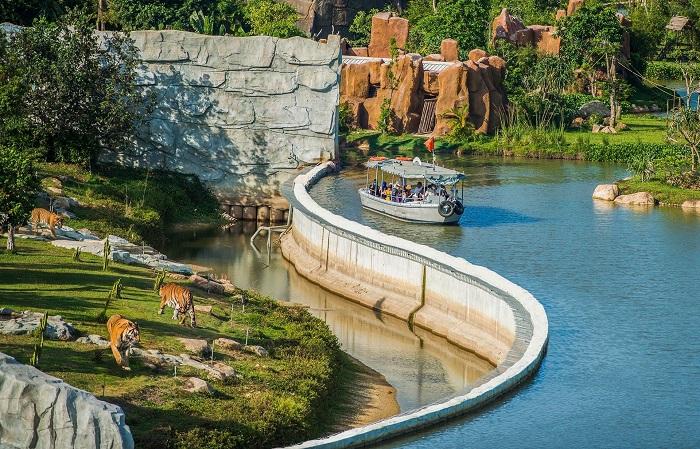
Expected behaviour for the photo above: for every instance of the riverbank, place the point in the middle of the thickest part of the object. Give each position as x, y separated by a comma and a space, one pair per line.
284, 392
644, 134
134, 204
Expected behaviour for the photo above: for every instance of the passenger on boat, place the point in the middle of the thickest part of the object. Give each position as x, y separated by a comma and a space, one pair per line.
387, 193
374, 188
418, 191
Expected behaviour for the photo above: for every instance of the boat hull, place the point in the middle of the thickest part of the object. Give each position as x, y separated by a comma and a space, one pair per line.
411, 212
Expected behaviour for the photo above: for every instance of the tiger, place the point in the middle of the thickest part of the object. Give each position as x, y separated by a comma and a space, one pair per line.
43, 216
180, 299
123, 334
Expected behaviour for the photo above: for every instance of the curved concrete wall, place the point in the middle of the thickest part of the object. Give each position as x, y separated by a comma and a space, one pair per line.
469, 305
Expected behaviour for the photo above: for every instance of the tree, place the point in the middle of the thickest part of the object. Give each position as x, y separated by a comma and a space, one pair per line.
463, 20
272, 18
18, 187
591, 37
73, 94
684, 127
361, 28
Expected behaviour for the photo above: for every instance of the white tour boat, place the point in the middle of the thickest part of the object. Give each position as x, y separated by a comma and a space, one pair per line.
420, 193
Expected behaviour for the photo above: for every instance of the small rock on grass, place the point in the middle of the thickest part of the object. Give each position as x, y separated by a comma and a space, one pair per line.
197, 385
201, 308
195, 346
94, 339
228, 343
257, 350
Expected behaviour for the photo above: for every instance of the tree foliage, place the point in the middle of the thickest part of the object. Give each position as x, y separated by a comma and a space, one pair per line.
64, 94
590, 34
684, 127
531, 12
361, 28
464, 20
272, 18
18, 186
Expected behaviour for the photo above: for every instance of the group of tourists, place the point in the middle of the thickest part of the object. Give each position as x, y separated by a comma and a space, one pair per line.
405, 193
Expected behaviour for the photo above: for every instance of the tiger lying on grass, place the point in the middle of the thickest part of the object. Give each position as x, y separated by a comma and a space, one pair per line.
43, 216
123, 334
180, 299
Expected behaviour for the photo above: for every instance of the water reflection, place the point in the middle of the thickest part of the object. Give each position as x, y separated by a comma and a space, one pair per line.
422, 367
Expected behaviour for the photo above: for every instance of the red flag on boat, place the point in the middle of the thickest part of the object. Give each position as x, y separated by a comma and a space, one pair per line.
430, 144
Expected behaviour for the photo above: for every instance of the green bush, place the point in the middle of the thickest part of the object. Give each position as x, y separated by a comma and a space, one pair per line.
272, 18
625, 152
361, 28
666, 70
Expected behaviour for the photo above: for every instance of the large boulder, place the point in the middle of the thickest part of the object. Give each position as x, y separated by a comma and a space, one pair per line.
479, 97
505, 26
636, 199
385, 26
607, 192
28, 322
40, 411
354, 80
691, 204
596, 107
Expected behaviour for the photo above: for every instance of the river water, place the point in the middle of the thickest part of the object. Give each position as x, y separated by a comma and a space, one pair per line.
620, 287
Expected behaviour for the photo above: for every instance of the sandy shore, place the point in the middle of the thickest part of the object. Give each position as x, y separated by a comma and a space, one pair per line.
370, 398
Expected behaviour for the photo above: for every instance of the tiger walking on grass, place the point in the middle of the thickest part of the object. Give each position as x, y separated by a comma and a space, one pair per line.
123, 335
180, 299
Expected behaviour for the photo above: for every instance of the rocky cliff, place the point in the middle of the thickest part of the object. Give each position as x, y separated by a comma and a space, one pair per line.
240, 113
40, 411
323, 17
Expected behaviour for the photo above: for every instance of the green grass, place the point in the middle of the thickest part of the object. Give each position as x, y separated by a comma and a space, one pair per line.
643, 134
664, 193
136, 204
278, 400
640, 128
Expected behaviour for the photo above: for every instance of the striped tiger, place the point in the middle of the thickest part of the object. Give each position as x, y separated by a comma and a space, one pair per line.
180, 299
123, 334
43, 216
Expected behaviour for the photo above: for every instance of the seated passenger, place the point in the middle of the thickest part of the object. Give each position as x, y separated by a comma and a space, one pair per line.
374, 188
418, 191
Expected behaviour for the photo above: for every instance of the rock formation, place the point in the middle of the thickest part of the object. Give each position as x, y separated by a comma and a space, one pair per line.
240, 113
510, 28
406, 84
40, 411
385, 27
323, 17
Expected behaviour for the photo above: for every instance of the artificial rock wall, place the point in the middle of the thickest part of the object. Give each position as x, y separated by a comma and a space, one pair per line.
40, 411
242, 113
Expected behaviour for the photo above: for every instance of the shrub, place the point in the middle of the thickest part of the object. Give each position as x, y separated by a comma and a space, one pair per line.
361, 28
664, 70
272, 18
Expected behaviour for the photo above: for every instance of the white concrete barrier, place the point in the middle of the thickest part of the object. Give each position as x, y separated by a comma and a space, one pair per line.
469, 305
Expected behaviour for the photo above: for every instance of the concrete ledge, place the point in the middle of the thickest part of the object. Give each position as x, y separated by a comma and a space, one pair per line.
469, 305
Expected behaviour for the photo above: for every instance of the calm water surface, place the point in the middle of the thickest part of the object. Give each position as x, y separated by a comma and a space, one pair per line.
620, 287
422, 367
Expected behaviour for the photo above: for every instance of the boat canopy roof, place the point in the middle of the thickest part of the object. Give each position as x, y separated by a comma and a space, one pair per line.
415, 169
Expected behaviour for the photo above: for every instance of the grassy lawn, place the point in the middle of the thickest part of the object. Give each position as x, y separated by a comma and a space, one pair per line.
135, 204
663, 192
640, 128
643, 133
277, 400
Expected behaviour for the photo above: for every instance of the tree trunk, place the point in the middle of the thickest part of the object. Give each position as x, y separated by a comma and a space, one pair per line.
612, 76
11, 238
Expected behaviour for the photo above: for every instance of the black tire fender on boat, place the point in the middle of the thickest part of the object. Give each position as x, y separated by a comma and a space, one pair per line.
459, 207
446, 208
